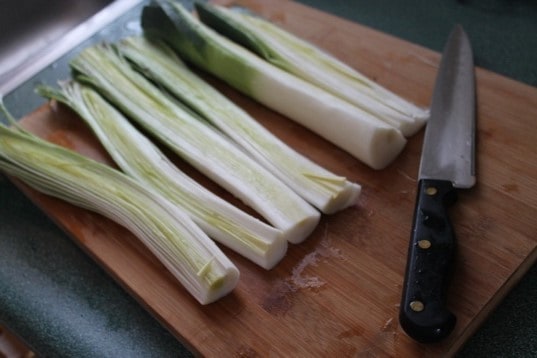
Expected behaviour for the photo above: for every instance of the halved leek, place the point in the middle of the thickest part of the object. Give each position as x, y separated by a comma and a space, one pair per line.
301, 58
190, 255
138, 157
358, 132
196, 141
323, 189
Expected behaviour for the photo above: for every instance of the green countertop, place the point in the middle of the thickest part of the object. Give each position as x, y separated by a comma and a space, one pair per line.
54, 297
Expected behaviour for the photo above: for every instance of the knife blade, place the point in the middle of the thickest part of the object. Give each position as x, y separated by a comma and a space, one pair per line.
447, 164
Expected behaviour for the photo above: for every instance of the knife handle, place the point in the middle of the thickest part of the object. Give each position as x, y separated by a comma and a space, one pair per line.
423, 312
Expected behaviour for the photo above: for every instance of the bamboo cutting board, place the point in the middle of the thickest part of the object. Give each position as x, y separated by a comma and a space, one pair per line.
338, 293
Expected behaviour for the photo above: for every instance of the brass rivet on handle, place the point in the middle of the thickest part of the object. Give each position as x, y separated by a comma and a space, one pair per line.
431, 190
424, 244
417, 306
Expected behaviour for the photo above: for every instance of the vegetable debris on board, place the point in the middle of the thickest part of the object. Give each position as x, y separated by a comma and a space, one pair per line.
196, 141
369, 139
186, 251
314, 65
323, 189
138, 157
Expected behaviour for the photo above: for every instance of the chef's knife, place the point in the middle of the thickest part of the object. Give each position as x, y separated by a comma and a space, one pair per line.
447, 163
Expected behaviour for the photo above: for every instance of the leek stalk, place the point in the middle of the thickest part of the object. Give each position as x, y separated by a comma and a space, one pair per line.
367, 138
192, 138
314, 65
188, 253
138, 157
323, 189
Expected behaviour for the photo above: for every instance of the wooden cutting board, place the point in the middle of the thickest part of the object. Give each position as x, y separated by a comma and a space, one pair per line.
338, 293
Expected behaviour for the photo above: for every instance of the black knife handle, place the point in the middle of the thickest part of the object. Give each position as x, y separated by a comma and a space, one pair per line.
423, 312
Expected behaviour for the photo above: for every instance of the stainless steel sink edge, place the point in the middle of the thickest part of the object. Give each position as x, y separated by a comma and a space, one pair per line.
71, 39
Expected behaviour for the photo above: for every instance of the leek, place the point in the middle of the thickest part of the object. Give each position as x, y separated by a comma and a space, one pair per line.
138, 157
314, 65
167, 231
328, 192
196, 141
367, 138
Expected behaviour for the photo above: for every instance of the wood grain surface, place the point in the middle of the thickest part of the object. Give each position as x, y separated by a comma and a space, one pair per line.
338, 293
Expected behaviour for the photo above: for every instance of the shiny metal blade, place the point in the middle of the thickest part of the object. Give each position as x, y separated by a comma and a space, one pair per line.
449, 144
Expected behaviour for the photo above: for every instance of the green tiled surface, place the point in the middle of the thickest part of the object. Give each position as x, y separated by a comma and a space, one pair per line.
63, 305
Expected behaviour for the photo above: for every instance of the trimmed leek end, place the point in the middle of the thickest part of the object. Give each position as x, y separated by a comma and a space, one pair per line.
267, 248
384, 146
346, 195
301, 230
